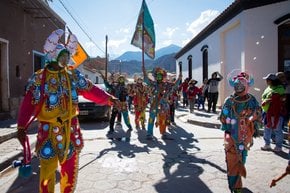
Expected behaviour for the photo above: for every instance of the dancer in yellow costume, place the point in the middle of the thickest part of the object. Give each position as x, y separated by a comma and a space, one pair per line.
52, 97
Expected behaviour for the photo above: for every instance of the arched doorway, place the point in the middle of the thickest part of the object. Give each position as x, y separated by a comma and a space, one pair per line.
189, 58
204, 51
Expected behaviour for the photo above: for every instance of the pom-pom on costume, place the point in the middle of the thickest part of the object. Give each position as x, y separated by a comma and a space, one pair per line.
159, 106
52, 97
240, 118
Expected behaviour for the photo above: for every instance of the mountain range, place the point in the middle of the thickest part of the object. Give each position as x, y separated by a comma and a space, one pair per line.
130, 62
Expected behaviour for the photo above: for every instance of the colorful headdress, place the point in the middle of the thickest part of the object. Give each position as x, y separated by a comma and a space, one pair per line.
121, 79
241, 81
52, 47
158, 70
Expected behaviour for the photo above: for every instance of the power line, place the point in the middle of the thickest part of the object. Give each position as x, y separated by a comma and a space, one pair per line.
80, 26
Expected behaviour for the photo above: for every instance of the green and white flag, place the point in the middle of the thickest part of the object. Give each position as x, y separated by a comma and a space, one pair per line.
145, 26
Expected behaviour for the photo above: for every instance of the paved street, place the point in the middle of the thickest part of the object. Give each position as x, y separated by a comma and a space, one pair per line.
192, 161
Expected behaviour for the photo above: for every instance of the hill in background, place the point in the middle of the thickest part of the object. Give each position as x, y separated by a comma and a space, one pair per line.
130, 62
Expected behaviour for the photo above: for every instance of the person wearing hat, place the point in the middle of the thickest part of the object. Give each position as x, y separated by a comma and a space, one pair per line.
192, 92
272, 105
183, 87
140, 98
52, 97
159, 106
240, 117
121, 92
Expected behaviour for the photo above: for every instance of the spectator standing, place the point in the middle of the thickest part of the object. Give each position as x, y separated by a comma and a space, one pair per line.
192, 92
272, 105
183, 86
202, 97
284, 78
213, 93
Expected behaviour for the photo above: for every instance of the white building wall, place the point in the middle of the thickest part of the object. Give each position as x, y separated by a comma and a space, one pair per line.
261, 42
248, 42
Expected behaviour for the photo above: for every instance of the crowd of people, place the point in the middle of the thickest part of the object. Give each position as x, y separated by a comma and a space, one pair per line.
52, 96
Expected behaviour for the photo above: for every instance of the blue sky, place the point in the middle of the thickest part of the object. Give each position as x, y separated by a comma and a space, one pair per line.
175, 21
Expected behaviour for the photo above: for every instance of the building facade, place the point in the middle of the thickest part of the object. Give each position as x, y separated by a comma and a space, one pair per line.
92, 68
250, 35
25, 25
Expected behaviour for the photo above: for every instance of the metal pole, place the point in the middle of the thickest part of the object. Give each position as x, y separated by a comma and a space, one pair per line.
106, 67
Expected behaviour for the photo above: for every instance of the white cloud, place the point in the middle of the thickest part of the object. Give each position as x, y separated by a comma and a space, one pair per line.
116, 43
200, 23
123, 30
184, 42
170, 31
90, 48
167, 42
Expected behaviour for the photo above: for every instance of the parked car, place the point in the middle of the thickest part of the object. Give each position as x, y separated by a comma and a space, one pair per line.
91, 110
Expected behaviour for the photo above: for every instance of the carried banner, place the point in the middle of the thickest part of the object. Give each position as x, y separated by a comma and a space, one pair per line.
145, 27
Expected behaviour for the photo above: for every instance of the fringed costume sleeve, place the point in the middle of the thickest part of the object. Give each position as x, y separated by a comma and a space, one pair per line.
97, 95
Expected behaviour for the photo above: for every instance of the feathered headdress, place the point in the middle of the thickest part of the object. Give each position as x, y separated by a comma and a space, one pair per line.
53, 47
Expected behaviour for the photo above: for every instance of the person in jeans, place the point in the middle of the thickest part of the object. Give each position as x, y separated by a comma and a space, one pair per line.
272, 111
192, 92
183, 87
202, 97
213, 93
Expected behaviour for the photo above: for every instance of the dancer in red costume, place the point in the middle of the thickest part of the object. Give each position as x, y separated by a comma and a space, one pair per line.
52, 97
140, 99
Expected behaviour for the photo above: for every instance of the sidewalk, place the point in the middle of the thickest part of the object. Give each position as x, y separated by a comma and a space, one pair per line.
199, 117
10, 148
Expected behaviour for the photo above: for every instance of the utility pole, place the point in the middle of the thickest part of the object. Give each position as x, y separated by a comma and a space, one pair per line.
106, 67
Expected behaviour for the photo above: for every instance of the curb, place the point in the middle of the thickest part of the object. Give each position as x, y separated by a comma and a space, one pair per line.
204, 124
8, 136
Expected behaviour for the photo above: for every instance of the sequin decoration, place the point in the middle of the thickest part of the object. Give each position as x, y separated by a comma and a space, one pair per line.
53, 99
59, 146
82, 83
241, 147
45, 127
78, 142
56, 129
74, 95
47, 151
59, 137
53, 81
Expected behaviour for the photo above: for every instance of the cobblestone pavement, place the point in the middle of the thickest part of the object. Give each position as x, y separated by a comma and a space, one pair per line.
192, 160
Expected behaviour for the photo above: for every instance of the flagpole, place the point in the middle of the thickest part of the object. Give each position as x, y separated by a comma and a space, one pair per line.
143, 62
106, 67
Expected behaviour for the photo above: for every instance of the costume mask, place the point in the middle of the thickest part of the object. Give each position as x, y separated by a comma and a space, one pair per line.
159, 77
241, 83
